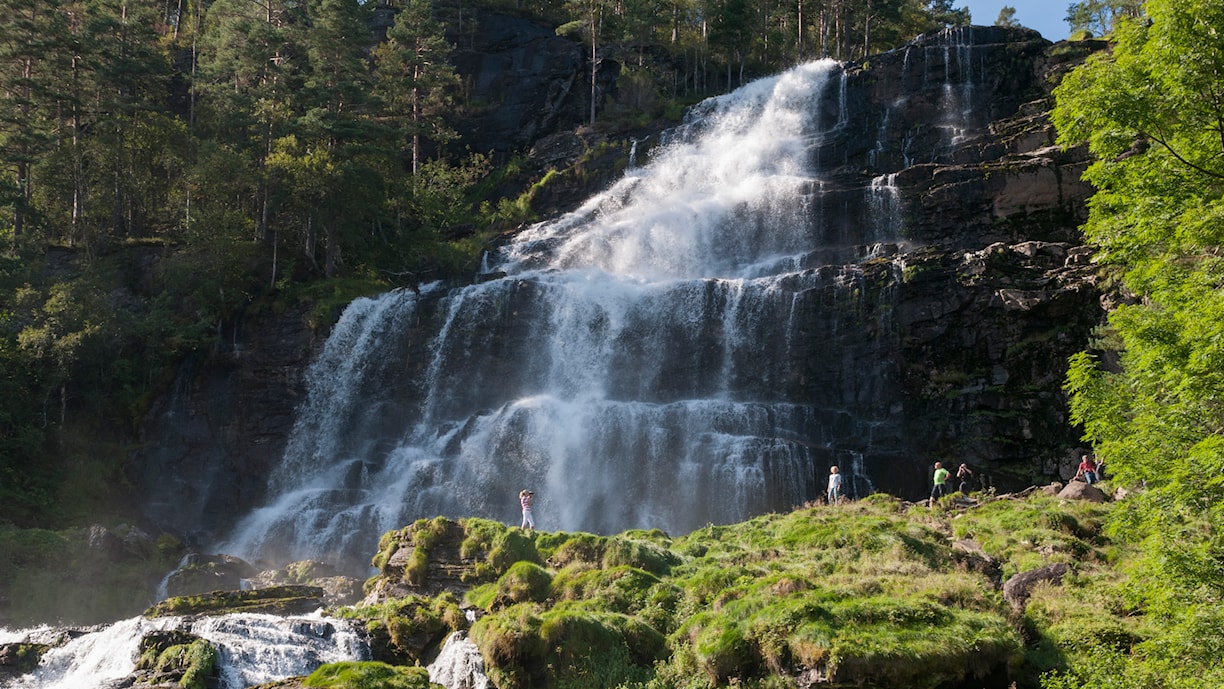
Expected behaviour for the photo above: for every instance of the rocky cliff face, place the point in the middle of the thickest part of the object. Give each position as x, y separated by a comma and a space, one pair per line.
985, 298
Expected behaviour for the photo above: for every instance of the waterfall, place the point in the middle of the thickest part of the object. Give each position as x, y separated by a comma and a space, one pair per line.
459, 665
252, 649
697, 344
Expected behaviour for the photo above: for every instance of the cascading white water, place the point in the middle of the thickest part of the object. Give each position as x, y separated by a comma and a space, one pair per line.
691, 346
252, 649
459, 665
641, 399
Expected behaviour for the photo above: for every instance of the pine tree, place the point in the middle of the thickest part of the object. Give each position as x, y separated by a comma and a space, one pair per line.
32, 36
415, 80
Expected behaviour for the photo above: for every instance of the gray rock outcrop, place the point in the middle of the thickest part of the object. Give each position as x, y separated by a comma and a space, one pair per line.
1079, 490
1018, 588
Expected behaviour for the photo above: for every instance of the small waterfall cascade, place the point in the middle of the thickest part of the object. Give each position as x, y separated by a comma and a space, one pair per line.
252, 649
697, 344
459, 665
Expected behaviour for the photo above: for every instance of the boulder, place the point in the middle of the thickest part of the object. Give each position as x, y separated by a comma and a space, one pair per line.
20, 658
278, 600
201, 573
1080, 490
969, 555
338, 589
175, 658
123, 543
1018, 588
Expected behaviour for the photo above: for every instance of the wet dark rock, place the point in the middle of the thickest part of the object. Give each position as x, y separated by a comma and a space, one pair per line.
20, 658
526, 78
124, 542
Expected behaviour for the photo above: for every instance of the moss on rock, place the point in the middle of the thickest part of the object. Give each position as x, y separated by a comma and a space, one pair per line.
283, 600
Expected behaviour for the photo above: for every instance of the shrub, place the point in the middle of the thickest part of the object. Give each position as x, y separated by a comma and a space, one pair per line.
523, 582
651, 557
510, 547
368, 675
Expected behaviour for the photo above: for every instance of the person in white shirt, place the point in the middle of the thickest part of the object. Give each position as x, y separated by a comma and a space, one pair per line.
835, 486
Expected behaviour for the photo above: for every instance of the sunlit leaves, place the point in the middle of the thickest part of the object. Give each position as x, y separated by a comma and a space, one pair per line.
1152, 113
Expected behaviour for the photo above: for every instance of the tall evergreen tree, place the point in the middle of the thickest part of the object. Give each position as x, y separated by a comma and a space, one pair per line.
135, 147
32, 38
414, 78
249, 62
334, 125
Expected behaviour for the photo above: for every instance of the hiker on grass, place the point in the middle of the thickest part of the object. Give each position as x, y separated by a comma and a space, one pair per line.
941, 480
835, 486
525, 497
965, 475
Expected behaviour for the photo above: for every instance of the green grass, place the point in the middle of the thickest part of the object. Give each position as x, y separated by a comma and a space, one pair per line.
368, 675
870, 594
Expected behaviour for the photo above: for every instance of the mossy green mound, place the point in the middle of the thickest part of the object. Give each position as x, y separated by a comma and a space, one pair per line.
178, 657
369, 675
870, 594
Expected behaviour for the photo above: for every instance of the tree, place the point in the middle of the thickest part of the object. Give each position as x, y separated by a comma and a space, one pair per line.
335, 132
249, 63
33, 34
1007, 16
589, 16
1098, 17
134, 150
414, 78
1152, 113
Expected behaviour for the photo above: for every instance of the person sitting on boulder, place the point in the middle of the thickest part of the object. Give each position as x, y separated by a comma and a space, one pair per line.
1087, 469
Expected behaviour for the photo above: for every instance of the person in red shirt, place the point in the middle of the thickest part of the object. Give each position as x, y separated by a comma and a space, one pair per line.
1088, 469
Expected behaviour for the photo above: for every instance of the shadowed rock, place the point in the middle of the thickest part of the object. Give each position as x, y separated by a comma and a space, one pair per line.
1018, 589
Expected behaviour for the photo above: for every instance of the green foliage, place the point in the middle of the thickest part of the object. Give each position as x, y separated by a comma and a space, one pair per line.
565, 647
509, 547
194, 661
368, 675
47, 574
869, 594
1030, 533
630, 552
409, 627
1151, 112
1098, 17
619, 589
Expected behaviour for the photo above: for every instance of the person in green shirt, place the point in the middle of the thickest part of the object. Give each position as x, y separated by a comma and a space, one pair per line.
941, 481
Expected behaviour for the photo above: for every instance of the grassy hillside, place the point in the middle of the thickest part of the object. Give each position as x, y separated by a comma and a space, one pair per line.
877, 593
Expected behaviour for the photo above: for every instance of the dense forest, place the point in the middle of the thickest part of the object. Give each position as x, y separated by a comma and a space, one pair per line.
262, 152
242, 155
